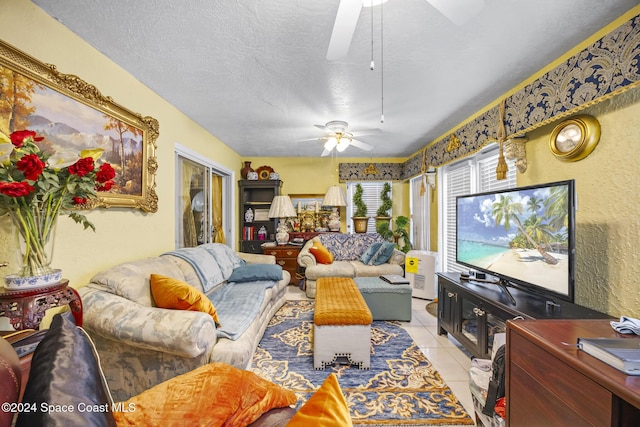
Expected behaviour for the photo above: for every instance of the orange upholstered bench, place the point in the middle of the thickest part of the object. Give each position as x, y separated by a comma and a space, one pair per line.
341, 323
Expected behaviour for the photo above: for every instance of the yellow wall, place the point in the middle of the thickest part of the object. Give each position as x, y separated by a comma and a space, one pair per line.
303, 175
608, 190
121, 234
607, 181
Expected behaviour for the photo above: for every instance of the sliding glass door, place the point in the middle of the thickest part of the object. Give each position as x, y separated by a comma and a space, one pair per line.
204, 197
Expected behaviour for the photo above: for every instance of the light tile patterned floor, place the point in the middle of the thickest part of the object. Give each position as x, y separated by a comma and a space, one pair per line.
444, 353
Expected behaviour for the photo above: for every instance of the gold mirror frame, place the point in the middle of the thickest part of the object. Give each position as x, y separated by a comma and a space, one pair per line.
83, 92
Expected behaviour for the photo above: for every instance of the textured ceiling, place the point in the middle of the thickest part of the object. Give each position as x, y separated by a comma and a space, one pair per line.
254, 73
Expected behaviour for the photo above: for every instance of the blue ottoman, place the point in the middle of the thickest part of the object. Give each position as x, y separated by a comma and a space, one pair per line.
385, 301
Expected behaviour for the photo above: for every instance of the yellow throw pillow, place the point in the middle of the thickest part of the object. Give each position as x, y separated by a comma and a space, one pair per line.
327, 407
175, 294
215, 394
321, 253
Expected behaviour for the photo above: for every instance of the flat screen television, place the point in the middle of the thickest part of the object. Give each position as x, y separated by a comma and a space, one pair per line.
524, 237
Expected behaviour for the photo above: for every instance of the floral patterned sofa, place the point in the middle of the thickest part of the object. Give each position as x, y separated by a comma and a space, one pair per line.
141, 345
347, 250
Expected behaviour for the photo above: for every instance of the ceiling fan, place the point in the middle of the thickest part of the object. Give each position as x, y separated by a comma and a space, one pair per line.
339, 138
457, 11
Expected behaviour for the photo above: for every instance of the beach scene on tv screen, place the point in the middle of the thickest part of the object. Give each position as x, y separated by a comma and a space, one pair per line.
521, 234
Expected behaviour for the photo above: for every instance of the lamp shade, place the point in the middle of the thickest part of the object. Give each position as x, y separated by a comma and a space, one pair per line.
334, 197
281, 207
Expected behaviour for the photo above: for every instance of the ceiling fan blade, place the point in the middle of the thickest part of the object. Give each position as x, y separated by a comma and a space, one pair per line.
325, 153
343, 28
364, 132
458, 11
361, 145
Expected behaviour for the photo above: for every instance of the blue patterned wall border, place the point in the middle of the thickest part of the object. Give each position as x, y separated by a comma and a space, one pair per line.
361, 171
604, 69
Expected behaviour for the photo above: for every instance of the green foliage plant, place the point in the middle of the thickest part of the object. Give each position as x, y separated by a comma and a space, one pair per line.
361, 206
385, 207
401, 231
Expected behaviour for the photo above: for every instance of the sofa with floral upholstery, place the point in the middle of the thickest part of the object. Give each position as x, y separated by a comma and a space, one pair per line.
65, 387
146, 333
351, 255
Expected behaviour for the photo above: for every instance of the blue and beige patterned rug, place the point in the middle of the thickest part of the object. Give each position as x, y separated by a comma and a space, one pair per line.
400, 389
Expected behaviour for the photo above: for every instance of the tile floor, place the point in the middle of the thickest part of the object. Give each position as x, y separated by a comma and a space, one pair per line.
444, 353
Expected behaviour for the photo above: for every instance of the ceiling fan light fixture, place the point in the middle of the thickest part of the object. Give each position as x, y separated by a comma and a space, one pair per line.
330, 144
342, 145
337, 126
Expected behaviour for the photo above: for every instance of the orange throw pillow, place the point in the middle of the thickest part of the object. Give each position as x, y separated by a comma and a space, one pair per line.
216, 394
327, 407
321, 253
175, 294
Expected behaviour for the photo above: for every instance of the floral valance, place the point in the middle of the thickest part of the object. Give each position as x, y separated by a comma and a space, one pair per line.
604, 69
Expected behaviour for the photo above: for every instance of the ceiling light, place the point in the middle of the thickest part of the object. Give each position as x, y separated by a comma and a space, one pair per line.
343, 143
330, 144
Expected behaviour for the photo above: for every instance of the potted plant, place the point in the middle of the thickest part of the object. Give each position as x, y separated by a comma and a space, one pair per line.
382, 215
360, 218
401, 231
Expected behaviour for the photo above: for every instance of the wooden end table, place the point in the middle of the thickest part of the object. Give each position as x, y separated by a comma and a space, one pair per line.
26, 308
287, 258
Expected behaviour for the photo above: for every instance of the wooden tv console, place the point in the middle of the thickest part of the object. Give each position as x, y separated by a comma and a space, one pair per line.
472, 312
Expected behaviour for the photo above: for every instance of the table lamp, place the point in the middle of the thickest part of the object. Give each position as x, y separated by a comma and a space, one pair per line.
334, 198
282, 208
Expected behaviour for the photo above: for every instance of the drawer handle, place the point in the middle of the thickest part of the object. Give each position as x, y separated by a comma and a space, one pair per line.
281, 262
289, 253
451, 295
478, 312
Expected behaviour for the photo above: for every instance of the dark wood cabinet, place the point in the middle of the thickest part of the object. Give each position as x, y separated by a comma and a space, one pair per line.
473, 312
550, 382
257, 196
287, 258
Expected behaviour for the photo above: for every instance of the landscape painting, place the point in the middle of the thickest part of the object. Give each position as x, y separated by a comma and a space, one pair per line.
72, 116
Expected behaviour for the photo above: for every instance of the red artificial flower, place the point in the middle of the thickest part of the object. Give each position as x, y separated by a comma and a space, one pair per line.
105, 186
105, 173
82, 166
16, 189
18, 137
77, 200
31, 166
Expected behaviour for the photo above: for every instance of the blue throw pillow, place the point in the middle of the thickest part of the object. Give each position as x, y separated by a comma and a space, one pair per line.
370, 252
383, 254
255, 272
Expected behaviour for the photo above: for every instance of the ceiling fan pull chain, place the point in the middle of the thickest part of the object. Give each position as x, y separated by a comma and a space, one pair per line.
381, 63
372, 65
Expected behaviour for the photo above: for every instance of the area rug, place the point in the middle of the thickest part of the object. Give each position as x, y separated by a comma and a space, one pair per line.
432, 308
401, 388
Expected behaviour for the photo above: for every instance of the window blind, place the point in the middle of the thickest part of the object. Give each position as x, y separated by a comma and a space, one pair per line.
370, 196
474, 175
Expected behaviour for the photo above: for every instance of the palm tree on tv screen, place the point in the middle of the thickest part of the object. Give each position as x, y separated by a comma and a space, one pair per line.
505, 211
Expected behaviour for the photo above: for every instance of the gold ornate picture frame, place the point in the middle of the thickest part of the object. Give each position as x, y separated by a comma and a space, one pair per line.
73, 115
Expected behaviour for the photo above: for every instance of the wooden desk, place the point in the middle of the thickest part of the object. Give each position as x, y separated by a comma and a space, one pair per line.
549, 382
287, 258
26, 308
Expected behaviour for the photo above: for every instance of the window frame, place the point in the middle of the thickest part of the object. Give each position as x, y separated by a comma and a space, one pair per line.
478, 173
371, 197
